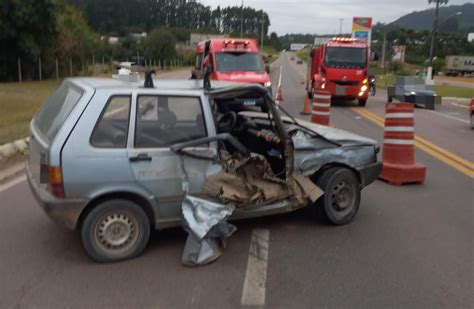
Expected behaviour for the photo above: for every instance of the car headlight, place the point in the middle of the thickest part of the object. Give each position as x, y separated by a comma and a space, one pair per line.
268, 84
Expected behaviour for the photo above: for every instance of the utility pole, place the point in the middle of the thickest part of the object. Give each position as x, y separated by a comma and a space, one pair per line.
433, 36
242, 20
340, 25
263, 25
384, 47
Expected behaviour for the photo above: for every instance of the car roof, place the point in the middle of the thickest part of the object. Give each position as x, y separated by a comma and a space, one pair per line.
98, 83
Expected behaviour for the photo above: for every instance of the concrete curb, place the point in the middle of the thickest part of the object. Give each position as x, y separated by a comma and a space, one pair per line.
12, 171
463, 101
10, 149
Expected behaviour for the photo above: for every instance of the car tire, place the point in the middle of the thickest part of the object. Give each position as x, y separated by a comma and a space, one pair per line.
362, 102
115, 230
341, 199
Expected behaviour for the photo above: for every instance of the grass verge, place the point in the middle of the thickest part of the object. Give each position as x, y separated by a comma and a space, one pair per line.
442, 90
18, 104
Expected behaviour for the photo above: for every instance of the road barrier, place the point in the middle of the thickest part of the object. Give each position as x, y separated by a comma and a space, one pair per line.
279, 96
399, 165
321, 107
306, 107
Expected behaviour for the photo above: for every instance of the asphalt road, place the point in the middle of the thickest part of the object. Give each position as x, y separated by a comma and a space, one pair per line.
409, 246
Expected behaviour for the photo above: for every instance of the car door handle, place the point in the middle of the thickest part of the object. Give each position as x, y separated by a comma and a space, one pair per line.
140, 157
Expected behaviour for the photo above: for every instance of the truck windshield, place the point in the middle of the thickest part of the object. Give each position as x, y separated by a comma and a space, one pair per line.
230, 62
345, 57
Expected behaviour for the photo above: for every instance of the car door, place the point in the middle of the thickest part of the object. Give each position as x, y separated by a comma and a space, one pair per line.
160, 121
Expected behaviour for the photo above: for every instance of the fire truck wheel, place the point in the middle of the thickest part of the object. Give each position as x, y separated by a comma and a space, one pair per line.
362, 102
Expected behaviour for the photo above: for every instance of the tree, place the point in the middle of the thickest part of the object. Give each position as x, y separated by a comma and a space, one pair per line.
160, 45
76, 40
274, 41
27, 30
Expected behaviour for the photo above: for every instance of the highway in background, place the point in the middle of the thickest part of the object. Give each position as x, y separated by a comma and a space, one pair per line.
409, 246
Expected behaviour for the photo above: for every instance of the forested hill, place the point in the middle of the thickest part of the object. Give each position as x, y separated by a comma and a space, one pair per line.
119, 17
423, 20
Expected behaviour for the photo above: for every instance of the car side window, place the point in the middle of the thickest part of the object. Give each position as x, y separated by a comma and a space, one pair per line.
163, 121
111, 129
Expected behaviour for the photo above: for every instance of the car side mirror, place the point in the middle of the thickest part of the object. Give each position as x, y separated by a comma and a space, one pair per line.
267, 69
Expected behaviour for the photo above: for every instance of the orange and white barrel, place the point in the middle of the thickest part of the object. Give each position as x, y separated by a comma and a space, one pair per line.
399, 165
321, 111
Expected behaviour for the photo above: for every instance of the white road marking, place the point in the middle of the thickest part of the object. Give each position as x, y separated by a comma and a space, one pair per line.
460, 105
450, 117
253, 292
12, 183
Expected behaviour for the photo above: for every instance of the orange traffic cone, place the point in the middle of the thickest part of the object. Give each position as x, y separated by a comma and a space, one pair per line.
279, 96
307, 107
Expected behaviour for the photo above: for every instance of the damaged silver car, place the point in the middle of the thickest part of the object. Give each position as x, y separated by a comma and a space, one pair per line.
114, 160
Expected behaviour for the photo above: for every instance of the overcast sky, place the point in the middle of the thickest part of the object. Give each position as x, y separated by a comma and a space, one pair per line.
323, 16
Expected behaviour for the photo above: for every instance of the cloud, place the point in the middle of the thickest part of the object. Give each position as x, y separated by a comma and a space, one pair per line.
323, 16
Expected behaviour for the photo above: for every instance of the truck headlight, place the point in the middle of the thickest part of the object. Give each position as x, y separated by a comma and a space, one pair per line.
363, 88
268, 84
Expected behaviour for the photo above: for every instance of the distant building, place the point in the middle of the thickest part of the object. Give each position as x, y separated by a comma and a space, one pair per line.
297, 46
195, 38
470, 37
112, 40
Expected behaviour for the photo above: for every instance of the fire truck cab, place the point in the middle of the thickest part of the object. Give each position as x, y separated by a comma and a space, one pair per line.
340, 66
236, 60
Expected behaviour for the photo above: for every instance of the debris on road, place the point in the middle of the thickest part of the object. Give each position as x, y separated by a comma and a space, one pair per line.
205, 222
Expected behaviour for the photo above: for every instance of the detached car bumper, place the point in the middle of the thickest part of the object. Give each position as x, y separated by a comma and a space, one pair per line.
369, 173
66, 212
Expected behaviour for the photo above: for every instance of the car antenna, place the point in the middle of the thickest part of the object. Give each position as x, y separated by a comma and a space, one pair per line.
149, 79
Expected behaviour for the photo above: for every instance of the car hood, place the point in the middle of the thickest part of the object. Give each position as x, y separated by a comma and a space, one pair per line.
339, 136
244, 77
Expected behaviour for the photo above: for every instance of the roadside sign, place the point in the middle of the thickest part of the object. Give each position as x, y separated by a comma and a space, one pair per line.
362, 29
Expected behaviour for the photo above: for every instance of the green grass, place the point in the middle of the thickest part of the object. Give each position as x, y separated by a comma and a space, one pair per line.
303, 54
452, 91
442, 90
18, 104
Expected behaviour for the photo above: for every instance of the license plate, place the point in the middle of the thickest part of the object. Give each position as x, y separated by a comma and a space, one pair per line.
340, 90
250, 103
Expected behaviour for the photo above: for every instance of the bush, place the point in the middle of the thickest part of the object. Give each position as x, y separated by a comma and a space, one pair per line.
160, 45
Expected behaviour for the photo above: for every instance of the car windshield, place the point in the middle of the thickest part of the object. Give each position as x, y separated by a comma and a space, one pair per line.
230, 62
348, 57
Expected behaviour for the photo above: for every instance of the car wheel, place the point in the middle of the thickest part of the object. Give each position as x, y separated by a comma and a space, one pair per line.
115, 230
341, 198
362, 102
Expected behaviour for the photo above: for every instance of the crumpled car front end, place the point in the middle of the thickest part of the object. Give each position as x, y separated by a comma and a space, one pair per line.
318, 146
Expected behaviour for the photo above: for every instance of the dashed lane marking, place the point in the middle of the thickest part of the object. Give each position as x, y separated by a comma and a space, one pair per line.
253, 292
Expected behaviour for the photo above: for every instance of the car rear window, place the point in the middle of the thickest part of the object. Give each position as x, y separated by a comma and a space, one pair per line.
56, 109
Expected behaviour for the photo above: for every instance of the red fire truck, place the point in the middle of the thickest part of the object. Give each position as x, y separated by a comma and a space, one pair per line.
340, 66
236, 60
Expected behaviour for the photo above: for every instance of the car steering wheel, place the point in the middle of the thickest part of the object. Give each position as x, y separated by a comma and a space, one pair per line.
227, 123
